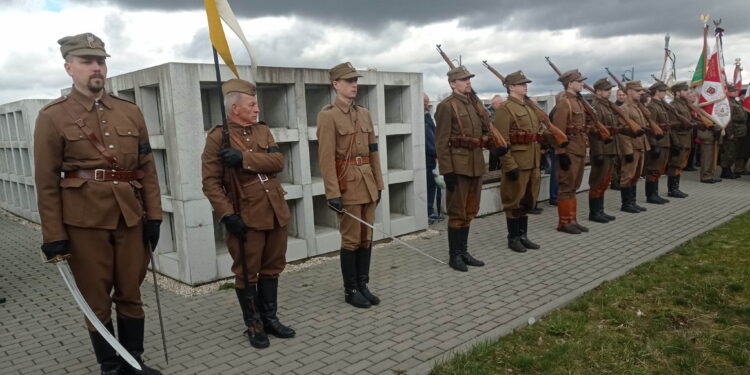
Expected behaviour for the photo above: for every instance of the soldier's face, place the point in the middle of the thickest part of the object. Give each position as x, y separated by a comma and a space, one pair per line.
519, 90
635, 94
732, 94
346, 87
246, 109
682, 94
604, 94
462, 86
87, 72
576, 86
621, 96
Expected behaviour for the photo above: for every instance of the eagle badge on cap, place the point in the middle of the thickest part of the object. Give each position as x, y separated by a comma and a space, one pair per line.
90, 39
349, 65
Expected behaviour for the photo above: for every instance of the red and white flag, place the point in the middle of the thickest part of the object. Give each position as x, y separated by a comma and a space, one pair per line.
738, 75
713, 97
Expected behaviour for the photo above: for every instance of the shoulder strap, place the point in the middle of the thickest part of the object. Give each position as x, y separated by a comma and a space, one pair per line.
92, 138
458, 118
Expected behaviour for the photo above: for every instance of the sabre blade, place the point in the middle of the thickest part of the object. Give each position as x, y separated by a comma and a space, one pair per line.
158, 306
70, 282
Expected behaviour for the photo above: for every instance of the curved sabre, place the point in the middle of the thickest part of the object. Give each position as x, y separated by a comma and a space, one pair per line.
67, 275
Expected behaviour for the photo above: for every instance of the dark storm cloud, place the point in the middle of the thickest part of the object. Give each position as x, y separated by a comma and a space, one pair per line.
597, 18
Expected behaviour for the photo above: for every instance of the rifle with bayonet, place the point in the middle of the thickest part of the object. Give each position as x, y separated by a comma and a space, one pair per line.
495, 136
560, 138
655, 129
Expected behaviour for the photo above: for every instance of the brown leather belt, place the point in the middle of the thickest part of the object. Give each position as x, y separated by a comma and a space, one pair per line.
262, 178
106, 175
359, 160
665, 127
573, 130
524, 137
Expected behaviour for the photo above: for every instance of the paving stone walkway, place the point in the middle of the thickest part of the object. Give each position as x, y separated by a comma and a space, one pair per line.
428, 312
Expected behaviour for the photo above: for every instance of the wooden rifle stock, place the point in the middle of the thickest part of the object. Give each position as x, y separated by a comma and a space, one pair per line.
702, 115
652, 125
600, 128
560, 138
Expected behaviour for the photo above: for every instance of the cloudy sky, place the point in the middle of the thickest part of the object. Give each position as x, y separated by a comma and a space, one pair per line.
384, 34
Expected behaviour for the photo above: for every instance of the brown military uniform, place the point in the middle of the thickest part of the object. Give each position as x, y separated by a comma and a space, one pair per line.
519, 124
346, 136
102, 218
601, 172
655, 166
681, 136
466, 162
262, 206
630, 172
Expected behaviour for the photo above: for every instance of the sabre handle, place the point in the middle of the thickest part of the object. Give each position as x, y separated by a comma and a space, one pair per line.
58, 258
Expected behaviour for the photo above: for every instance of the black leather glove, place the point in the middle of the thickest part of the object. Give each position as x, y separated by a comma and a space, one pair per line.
151, 233
513, 174
675, 149
380, 194
629, 158
654, 152
231, 157
609, 140
336, 204
235, 225
500, 151
55, 248
659, 136
450, 181
598, 160
640, 132
564, 160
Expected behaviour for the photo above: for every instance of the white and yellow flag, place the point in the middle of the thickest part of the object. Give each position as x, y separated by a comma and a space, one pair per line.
216, 11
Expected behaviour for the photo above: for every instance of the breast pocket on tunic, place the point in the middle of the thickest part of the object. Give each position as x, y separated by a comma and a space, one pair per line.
127, 146
77, 145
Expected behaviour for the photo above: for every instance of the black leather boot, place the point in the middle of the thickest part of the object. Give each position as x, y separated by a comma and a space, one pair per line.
268, 306
651, 193
352, 295
130, 334
363, 274
626, 205
106, 356
634, 200
601, 210
514, 235
255, 332
523, 230
656, 192
455, 250
677, 187
467, 258
595, 212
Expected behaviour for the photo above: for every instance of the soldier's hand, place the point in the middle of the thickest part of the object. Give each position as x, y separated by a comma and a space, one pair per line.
450, 181
337, 204
500, 151
640, 132
598, 160
513, 174
235, 225
659, 136
676, 149
654, 152
717, 134
629, 158
151, 233
564, 160
380, 194
231, 157
55, 248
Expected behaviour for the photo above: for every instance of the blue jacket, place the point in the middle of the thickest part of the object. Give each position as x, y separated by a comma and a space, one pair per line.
429, 138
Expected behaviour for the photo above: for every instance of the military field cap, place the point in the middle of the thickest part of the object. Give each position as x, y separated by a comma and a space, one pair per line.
658, 86
86, 44
679, 86
343, 71
633, 85
516, 78
238, 85
603, 84
731, 87
459, 72
570, 76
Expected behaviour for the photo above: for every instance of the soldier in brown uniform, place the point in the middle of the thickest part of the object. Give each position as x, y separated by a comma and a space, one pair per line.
98, 197
708, 137
736, 129
682, 139
631, 148
603, 154
570, 117
260, 217
462, 131
519, 189
658, 156
350, 166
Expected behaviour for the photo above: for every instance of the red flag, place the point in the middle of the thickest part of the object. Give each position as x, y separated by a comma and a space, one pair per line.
737, 75
713, 97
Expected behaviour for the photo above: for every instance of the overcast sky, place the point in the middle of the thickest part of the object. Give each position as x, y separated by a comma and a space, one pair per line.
384, 34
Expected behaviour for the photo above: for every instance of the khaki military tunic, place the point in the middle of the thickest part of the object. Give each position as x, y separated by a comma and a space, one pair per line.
261, 198
736, 129
101, 219
570, 117
630, 172
346, 133
467, 163
601, 172
682, 136
656, 166
518, 123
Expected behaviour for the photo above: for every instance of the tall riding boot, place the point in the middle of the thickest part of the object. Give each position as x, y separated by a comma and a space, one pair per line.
455, 249
634, 199
626, 205
523, 229
255, 332
651, 193
363, 274
574, 216
468, 259
268, 306
565, 220
514, 236
130, 334
595, 213
352, 294
601, 210
656, 193
106, 356
673, 187
677, 185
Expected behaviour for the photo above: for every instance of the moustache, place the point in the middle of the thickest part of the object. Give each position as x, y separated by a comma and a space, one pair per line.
96, 76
